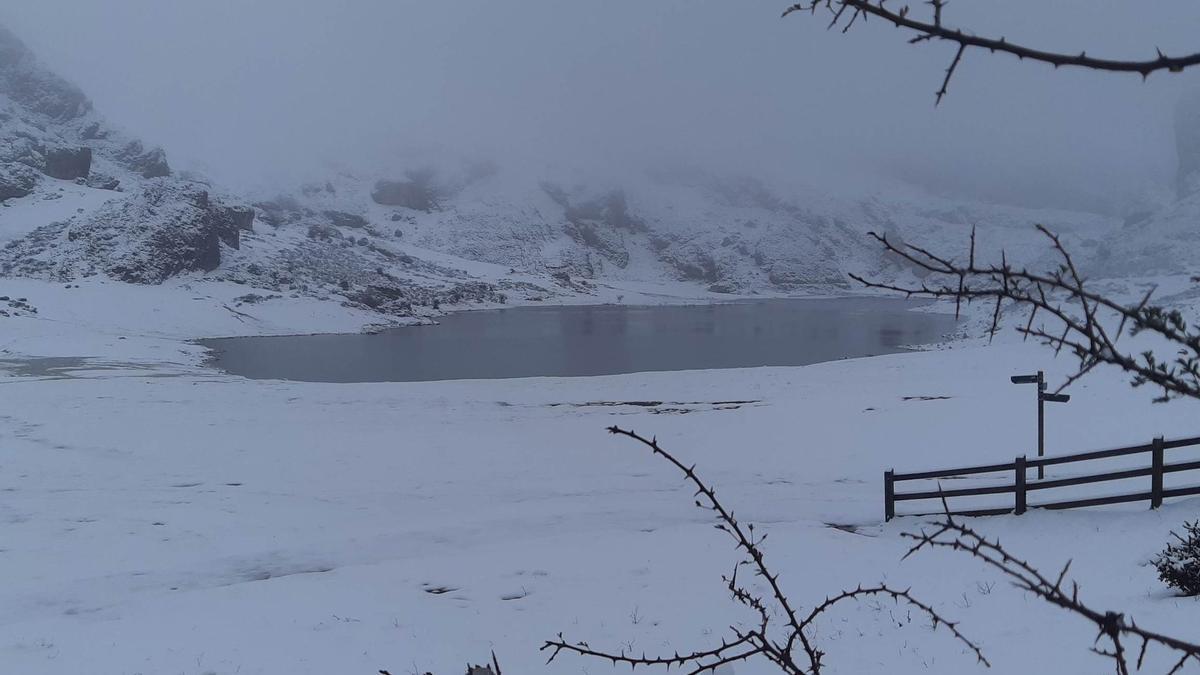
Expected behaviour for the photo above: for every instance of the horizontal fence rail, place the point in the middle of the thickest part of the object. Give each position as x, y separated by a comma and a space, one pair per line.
1020, 487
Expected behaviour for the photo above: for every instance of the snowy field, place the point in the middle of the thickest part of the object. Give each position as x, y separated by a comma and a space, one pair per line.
162, 518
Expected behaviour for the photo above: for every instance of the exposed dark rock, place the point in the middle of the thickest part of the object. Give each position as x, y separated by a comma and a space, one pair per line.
102, 181
417, 193
230, 222
19, 144
610, 209
280, 211
68, 163
605, 241
16, 180
149, 163
377, 296
323, 232
343, 219
165, 229
254, 298
700, 268
93, 132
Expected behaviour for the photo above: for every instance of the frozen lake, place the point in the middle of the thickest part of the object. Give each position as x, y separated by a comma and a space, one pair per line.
591, 340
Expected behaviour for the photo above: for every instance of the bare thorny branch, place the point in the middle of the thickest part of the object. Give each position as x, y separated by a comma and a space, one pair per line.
1085, 323
1080, 316
1113, 628
779, 647
790, 648
845, 13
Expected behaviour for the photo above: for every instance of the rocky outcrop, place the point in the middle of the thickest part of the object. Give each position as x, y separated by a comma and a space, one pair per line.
103, 181
165, 229
33, 87
68, 163
599, 223
343, 219
149, 163
610, 210
16, 180
230, 222
391, 297
417, 193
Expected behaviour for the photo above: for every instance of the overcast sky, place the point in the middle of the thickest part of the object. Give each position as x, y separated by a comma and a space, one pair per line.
256, 91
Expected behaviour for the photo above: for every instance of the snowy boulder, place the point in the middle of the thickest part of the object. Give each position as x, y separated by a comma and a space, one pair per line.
16, 180
102, 181
93, 131
149, 163
280, 211
68, 163
323, 232
343, 219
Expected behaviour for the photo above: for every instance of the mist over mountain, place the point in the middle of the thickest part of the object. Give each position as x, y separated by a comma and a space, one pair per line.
399, 175
269, 93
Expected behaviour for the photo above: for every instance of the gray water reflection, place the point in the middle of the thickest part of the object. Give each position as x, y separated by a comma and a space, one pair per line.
598, 340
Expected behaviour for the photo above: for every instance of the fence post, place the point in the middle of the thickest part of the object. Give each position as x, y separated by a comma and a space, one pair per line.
1156, 477
1019, 485
889, 494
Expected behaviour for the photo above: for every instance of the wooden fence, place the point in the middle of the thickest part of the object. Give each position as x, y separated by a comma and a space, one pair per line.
1021, 486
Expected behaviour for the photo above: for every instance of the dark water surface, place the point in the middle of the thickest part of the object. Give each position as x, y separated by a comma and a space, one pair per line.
599, 340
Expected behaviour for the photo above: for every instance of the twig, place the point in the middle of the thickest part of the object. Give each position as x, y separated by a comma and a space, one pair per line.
1080, 318
936, 29
790, 649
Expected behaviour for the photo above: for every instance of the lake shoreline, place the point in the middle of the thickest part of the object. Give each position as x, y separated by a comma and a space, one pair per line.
591, 340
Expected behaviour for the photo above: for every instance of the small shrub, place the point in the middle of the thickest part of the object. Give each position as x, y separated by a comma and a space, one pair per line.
1179, 565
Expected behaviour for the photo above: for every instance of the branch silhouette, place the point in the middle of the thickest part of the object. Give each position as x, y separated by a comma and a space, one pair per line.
1087, 324
845, 13
1112, 627
779, 646
790, 648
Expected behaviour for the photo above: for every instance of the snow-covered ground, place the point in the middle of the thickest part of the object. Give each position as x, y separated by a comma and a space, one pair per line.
160, 517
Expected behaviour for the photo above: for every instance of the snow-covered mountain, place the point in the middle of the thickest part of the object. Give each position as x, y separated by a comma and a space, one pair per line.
80, 198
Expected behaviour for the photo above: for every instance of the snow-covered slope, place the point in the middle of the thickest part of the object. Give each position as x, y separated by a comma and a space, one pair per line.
721, 234
81, 199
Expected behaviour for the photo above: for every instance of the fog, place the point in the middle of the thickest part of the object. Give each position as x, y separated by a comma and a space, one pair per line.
261, 92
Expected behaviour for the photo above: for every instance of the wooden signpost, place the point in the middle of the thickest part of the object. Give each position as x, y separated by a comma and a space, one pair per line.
1043, 397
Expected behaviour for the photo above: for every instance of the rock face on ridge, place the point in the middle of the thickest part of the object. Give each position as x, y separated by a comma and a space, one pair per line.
17, 180
49, 136
33, 87
168, 228
68, 163
48, 124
